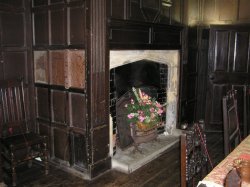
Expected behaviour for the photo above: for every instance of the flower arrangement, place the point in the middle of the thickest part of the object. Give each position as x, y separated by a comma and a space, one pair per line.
144, 110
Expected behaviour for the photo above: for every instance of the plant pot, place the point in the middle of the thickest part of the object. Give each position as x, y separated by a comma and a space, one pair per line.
143, 135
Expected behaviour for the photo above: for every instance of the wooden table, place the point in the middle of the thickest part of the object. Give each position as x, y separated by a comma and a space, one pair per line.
217, 176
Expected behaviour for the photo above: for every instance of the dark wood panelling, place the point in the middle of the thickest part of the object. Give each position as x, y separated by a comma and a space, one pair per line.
42, 103
146, 11
139, 35
59, 107
56, 1
128, 33
221, 51
228, 65
100, 147
77, 109
135, 12
13, 29
167, 36
58, 26
118, 9
98, 80
41, 31
15, 64
39, 2
79, 151
98, 89
241, 51
61, 144
77, 19
41, 66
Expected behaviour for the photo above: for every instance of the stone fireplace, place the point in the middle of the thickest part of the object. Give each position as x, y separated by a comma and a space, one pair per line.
171, 60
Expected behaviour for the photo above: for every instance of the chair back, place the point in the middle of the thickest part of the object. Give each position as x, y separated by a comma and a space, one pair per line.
232, 136
194, 156
12, 108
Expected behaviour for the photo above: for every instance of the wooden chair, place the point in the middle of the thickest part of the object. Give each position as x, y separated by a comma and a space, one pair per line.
18, 144
194, 156
232, 136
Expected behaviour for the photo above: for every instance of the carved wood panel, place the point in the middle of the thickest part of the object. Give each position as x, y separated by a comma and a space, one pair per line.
241, 50
59, 107
58, 23
41, 28
42, 103
13, 29
77, 109
15, 64
77, 22
61, 144
78, 150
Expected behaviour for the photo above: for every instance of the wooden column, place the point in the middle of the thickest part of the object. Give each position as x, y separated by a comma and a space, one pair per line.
97, 88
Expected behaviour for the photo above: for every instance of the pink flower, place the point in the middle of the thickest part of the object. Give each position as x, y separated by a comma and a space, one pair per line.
159, 111
126, 106
152, 109
141, 118
158, 105
131, 115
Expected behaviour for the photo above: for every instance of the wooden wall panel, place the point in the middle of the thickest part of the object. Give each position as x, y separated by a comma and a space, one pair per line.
61, 144
79, 150
41, 28
59, 107
75, 66
100, 146
244, 13
42, 103
57, 60
227, 10
221, 49
77, 109
241, 52
193, 11
41, 66
58, 26
39, 2
15, 64
77, 19
13, 29
209, 10
118, 9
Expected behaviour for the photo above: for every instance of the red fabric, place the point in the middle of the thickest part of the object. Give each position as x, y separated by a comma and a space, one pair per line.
245, 156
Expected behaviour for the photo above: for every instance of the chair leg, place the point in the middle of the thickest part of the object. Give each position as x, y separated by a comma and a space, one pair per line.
13, 169
46, 163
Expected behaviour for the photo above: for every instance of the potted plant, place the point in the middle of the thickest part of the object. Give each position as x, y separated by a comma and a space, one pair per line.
144, 112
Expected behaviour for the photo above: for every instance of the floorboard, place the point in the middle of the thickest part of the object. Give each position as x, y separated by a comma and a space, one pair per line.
161, 172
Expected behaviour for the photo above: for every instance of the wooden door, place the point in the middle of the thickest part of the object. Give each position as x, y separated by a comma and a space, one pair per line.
228, 67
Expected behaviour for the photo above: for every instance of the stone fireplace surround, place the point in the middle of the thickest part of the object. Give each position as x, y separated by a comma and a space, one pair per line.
125, 160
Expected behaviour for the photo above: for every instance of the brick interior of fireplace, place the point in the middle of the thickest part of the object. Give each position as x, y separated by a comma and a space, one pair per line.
151, 77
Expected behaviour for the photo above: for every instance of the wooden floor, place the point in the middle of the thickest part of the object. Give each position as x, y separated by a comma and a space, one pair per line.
164, 171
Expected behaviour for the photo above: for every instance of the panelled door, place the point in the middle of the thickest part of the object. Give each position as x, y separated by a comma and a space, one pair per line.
228, 67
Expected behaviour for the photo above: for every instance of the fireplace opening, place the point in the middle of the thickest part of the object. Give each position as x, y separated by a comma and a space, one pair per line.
151, 77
